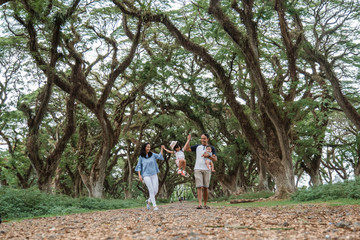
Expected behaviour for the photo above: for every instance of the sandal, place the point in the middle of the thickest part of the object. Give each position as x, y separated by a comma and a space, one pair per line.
206, 207
199, 207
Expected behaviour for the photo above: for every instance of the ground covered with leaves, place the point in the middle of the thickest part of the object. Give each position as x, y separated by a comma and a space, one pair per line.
184, 221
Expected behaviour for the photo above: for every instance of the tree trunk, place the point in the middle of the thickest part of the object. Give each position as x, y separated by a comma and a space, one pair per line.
128, 188
56, 185
312, 168
357, 169
315, 178
97, 188
94, 180
228, 185
128, 193
233, 181
283, 176
24, 179
263, 181
76, 180
163, 192
77, 184
45, 182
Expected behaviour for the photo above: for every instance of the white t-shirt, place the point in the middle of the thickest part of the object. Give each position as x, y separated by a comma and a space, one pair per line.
180, 155
200, 161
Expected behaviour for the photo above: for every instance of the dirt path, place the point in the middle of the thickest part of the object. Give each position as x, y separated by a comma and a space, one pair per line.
183, 221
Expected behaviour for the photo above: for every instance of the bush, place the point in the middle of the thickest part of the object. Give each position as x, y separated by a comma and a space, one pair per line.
163, 200
19, 203
346, 189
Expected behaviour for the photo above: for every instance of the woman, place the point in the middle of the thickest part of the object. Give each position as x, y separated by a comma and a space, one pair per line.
148, 169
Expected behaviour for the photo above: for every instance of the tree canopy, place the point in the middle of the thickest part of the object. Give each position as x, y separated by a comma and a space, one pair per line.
85, 83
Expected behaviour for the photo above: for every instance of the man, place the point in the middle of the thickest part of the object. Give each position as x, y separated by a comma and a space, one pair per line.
201, 172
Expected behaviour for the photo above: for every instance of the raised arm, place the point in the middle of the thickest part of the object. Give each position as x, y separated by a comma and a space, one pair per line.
172, 152
160, 155
162, 149
187, 147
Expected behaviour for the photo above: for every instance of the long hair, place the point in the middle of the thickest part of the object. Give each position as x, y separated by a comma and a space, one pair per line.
143, 151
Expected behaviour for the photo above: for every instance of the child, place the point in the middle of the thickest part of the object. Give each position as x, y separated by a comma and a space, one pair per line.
208, 162
180, 157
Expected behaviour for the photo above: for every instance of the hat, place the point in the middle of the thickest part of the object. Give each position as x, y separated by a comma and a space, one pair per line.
172, 144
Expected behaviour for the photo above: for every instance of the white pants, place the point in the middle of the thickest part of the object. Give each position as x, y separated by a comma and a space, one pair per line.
152, 184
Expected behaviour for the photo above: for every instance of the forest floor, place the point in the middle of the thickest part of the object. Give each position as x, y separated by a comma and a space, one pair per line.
184, 221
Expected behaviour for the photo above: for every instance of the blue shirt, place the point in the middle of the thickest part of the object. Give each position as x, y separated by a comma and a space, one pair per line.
200, 161
148, 166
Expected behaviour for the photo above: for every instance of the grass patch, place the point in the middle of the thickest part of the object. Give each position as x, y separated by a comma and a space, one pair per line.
30, 203
267, 203
338, 202
340, 190
342, 193
277, 203
162, 200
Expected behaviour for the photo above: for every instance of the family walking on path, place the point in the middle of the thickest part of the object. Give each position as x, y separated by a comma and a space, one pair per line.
148, 169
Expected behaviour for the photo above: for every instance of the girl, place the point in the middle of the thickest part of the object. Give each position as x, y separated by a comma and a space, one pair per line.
148, 169
180, 157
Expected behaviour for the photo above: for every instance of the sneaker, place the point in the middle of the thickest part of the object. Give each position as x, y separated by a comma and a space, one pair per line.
183, 173
147, 204
179, 171
156, 209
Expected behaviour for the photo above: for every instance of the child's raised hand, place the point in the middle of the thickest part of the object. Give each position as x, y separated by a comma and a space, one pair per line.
189, 137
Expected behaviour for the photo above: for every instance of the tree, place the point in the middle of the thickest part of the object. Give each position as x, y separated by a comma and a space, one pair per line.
45, 167
64, 30
334, 47
342, 156
17, 170
277, 156
259, 77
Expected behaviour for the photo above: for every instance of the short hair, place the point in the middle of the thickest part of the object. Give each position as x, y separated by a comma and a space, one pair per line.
177, 145
206, 135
